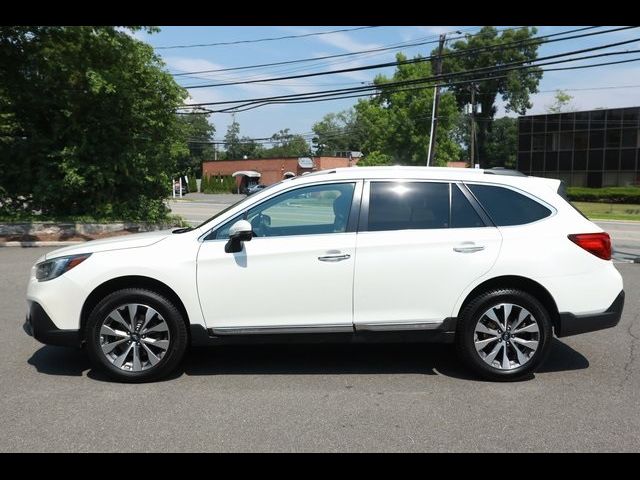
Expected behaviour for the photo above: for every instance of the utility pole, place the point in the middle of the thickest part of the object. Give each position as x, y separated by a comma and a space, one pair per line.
436, 103
473, 123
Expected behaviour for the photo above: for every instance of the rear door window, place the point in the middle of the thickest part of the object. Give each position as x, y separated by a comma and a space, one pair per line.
408, 206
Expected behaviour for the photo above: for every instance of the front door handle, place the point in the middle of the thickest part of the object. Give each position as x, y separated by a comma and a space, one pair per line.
468, 247
334, 258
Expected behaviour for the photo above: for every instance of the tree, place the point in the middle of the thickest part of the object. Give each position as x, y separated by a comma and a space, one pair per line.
397, 122
337, 132
232, 141
286, 144
250, 148
562, 103
375, 159
502, 143
198, 133
88, 123
514, 86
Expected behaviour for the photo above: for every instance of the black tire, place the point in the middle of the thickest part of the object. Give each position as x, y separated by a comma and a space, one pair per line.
473, 312
178, 336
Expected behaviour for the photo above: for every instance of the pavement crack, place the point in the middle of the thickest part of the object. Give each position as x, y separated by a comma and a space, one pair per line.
628, 366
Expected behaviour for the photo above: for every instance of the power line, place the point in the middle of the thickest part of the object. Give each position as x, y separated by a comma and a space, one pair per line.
314, 59
485, 70
256, 40
539, 40
254, 105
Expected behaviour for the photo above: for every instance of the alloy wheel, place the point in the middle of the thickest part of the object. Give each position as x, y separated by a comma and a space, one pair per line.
134, 337
506, 336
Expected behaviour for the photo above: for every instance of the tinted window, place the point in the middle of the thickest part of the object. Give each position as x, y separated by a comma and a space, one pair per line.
304, 211
463, 214
408, 205
506, 207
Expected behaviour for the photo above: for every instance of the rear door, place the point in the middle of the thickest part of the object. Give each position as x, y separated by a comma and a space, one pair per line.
419, 244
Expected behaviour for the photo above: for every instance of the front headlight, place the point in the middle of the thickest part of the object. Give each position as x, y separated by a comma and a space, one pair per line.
50, 269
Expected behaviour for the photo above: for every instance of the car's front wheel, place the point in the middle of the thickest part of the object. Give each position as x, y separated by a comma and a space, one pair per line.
504, 334
136, 335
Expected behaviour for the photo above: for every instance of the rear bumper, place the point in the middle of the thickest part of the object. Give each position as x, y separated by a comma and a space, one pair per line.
39, 326
570, 324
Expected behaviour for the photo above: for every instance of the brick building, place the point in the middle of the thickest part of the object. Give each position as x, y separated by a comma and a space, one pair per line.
272, 170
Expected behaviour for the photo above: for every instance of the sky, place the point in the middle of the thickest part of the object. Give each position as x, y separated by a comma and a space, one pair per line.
299, 118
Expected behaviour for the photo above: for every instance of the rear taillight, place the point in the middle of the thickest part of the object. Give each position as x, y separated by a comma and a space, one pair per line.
598, 244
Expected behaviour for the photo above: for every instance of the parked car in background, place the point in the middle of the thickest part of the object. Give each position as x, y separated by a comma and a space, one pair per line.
255, 189
492, 261
176, 187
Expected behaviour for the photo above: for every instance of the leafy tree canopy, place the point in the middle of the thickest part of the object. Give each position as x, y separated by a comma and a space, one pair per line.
88, 124
562, 103
199, 134
397, 121
491, 49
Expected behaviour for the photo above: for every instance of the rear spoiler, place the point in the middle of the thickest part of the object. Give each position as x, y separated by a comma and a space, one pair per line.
554, 184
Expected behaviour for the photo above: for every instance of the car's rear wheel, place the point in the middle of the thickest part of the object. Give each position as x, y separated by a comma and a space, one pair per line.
504, 334
136, 335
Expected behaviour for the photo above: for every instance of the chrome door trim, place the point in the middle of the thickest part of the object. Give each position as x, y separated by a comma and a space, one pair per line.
277, 329
397, 326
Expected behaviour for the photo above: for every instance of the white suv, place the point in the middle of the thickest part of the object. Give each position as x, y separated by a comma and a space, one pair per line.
492, 260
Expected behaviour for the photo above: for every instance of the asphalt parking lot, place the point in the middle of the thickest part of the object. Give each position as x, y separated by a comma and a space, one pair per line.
318, 398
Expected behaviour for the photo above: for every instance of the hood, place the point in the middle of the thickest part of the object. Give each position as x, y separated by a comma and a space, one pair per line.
113, 243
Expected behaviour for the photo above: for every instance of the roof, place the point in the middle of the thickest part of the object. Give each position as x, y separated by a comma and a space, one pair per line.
495, 176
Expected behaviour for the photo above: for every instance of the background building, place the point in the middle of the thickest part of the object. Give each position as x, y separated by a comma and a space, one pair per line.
272, 170
597, 148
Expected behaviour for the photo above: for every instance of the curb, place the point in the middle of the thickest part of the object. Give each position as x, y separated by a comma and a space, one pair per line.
39, 244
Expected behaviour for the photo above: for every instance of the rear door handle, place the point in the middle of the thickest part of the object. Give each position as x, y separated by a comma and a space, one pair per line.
469, 247
334, 258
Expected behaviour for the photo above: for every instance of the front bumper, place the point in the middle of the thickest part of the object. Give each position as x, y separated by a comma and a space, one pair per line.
570, 324
39, 326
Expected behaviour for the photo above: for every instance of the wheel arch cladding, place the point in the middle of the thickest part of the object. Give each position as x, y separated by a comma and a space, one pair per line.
521, 283
130, 281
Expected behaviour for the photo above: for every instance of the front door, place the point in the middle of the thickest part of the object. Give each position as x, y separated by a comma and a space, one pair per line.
295, 275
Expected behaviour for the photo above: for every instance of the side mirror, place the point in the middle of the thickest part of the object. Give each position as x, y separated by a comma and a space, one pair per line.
239, 232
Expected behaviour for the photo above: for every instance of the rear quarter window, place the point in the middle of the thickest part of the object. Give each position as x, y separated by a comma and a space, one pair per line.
506, 207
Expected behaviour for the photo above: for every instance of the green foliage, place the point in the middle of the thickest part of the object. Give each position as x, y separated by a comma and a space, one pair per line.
87, 125
197, 132
502, 143
193, 184
562, 103
514, 87
398, 123
232, 143
219, 184
375, 158
337, 132
286, 144
604, 195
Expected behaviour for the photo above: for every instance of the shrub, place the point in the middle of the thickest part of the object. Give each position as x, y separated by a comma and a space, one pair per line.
604, 195
193, 185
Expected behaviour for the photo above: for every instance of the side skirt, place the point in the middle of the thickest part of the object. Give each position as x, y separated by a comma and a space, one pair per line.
445, 333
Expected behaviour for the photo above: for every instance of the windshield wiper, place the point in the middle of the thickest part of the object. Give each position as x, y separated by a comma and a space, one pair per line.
182, 230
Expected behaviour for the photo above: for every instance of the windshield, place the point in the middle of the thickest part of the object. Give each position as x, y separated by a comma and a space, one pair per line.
222, 212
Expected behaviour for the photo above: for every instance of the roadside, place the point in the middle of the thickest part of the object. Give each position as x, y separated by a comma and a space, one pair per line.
609, 211
195, 208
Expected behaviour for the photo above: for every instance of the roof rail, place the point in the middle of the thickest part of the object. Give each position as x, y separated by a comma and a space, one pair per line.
504, 171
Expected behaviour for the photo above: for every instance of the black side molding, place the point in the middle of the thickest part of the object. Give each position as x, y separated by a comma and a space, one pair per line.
571, 324
39, 326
